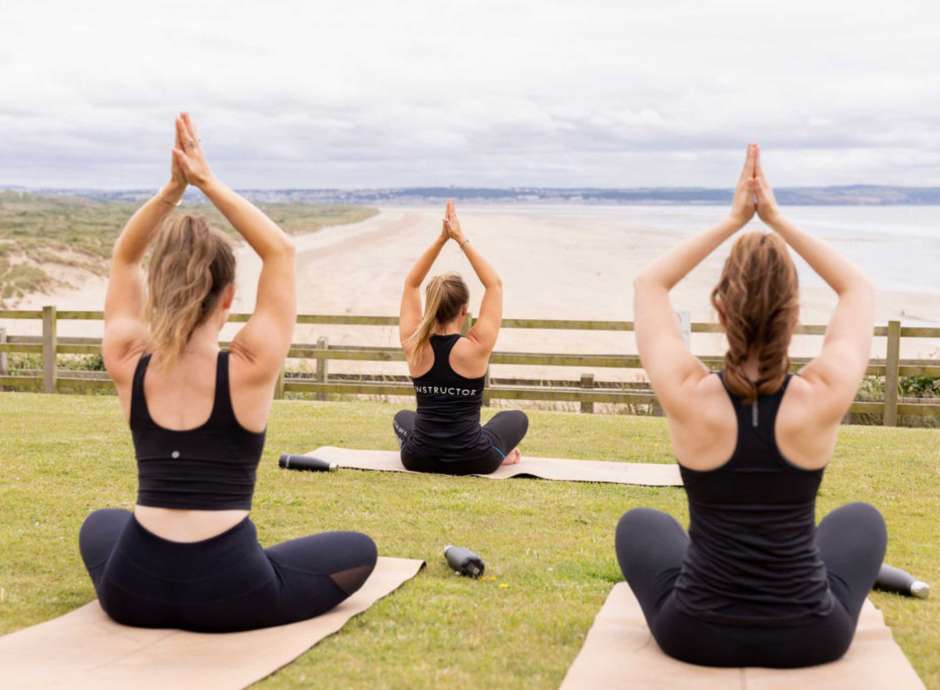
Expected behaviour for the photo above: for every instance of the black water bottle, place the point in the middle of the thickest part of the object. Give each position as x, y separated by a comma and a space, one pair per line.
305, 462
464, 561
899, 581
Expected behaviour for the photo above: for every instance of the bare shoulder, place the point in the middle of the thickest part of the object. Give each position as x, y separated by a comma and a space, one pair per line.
123, 343
423, 362
704, 438
245, 368
251, 390
469, 358
805, 437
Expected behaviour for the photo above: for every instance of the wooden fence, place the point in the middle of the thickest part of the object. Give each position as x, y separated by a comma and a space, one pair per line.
586, 390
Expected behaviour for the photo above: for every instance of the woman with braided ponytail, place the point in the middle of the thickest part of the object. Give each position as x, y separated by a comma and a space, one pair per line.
449, 369
754, 582
188, 555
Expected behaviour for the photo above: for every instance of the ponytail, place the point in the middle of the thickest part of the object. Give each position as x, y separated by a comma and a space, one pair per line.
758, 300
190, 266
445, 296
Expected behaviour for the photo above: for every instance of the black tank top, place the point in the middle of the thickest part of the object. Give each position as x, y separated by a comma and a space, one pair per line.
752, 557
447, 427
211, 467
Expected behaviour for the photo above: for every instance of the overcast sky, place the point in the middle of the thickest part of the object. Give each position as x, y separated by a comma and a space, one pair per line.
363, 93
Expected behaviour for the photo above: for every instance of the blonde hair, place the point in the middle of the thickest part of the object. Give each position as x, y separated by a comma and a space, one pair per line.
445, 296
190, 267
758, 300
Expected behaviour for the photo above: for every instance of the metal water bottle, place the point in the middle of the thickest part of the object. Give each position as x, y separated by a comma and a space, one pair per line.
464, 561
305, 462
899, 581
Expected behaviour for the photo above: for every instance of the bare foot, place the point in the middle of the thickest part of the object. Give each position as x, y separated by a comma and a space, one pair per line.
513, 457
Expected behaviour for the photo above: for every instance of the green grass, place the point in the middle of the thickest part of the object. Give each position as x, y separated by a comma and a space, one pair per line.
549, 545
36, 231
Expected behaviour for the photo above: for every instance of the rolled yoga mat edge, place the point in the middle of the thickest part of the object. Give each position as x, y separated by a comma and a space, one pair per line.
558, 469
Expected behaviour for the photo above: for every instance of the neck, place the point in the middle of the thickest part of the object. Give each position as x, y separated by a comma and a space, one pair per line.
205, 339
449, 328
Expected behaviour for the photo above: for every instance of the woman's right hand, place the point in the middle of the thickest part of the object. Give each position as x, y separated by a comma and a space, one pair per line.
742, 204
188, 154
452, 224
767, 207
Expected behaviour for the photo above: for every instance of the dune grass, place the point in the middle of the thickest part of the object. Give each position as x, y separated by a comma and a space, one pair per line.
38, 232
548, 546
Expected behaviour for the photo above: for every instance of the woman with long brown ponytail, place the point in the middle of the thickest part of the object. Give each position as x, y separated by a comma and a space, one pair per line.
754, 582
188, 555
449, 369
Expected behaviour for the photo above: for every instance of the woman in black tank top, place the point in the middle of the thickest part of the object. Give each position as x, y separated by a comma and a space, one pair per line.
754, 582
188, 555
448, 369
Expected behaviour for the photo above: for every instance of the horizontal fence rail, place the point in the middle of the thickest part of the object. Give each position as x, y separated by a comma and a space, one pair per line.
586, 391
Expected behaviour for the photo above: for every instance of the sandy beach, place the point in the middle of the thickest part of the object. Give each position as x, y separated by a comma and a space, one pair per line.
556, 262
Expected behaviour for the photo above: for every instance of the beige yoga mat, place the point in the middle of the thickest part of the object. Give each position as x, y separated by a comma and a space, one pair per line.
619, 653
646, 474
86, 650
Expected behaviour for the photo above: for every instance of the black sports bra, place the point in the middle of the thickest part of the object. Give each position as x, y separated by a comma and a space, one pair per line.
211, 467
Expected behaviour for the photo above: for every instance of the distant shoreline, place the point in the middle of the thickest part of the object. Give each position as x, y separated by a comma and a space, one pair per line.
842, 195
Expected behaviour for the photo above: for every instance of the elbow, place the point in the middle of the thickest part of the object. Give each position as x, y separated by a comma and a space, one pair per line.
859, 283
496, 283
641, 282
864, 282
120, 256
282, 248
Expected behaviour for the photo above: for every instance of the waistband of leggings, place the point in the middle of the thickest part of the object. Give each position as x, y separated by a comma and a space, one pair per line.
241, 532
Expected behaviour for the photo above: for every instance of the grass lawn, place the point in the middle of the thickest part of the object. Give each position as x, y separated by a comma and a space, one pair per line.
548, 545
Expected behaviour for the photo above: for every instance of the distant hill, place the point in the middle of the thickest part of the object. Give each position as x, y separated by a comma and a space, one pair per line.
851, 195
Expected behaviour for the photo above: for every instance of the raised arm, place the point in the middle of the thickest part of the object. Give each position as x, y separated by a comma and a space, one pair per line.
836, 374
486, 327
410, 314
265, 339
125, 330
671, 368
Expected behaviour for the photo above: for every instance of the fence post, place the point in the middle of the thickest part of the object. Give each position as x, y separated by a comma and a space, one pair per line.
892, 366
322, 367
685, 327
587, 383
49, 342
4, 364
467, 324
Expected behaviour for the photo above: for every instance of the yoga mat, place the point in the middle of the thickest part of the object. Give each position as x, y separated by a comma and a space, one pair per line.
86, 650
646, 474
620, 653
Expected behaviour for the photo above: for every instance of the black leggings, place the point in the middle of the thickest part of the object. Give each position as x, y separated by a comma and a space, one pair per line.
650, 548
223, 584
505, 431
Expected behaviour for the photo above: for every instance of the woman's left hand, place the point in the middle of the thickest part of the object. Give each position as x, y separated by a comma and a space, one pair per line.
177, 176
742, 204
452, 224
188, 154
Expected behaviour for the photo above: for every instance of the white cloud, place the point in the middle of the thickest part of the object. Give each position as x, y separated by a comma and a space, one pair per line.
543, 92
